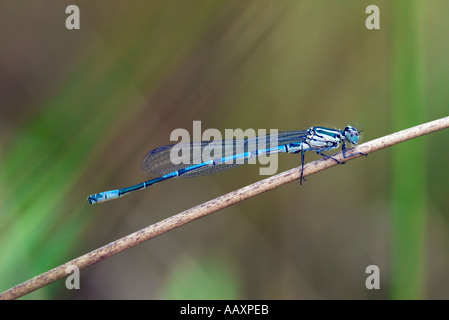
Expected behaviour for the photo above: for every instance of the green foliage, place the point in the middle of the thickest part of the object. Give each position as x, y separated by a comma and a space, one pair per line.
409, 167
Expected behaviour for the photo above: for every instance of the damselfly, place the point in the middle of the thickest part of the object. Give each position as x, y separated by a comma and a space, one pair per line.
228, 154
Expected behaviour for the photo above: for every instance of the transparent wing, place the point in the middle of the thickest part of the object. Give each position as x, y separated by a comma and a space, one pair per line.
166, 159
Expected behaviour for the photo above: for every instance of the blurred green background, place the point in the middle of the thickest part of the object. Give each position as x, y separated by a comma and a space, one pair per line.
79, 109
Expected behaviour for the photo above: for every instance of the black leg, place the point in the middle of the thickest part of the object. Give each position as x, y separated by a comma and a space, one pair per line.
361, 153
328, 156
343, 148
302, 168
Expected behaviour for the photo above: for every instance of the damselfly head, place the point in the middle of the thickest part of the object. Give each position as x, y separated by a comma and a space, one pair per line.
351, 134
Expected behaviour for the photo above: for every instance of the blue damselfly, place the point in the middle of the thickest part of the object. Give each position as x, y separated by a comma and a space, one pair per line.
228, 154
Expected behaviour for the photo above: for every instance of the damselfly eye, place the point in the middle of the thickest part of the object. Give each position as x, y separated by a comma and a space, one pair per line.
351, 134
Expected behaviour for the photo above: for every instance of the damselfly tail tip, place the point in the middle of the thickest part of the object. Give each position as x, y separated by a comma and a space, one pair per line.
103, 196
91, 199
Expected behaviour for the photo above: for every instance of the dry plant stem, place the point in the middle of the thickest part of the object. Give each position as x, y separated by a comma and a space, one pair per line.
214, 205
